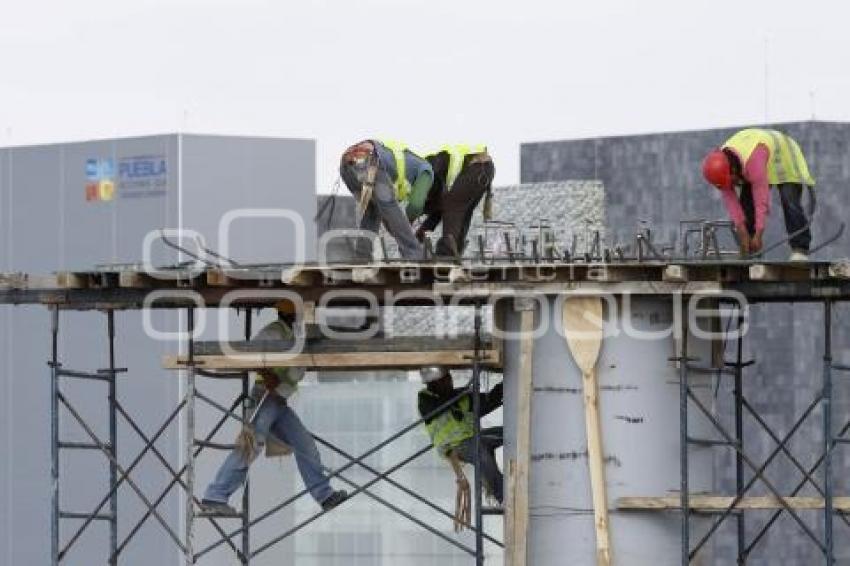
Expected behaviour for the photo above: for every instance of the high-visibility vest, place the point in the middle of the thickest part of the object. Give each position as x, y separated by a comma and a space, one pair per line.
446, 431
787, 163
457, 153
288, 376
402, 185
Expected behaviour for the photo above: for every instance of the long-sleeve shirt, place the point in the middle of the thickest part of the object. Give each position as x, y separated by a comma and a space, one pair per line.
755, 173
429, 402
417, 171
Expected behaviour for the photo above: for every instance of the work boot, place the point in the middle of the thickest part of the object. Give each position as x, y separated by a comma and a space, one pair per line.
218, 508
798, 255
334, 499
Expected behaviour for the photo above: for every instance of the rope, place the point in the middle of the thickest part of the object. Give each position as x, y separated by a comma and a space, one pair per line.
463, 498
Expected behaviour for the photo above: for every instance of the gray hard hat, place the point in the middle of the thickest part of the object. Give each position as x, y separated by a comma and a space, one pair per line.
432, 373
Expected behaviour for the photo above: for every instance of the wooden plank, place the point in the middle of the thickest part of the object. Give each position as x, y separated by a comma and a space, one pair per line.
13, 280
510, 507
352, 360
40, 282
459, 275
71, 280
300, 277
133, 279
840, 270
721, 503
323, 345
520, 512
368, 276
762, 272
582, 319
782, 272
675, 273
218, 278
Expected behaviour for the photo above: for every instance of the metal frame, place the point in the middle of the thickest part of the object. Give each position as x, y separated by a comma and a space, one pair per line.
120, 475
193, 446
743, 460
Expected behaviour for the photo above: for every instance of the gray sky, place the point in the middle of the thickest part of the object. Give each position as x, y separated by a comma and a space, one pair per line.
425, 71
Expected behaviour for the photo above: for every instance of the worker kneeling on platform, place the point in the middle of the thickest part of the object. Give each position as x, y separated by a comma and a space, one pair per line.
463, 174
275, 425
452, 429
390, 182
752, 161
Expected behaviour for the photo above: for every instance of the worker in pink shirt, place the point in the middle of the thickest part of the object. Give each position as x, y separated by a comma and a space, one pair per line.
744, 168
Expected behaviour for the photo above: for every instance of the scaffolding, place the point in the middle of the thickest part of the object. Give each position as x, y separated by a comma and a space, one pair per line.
822, 283
784, 503
237, 540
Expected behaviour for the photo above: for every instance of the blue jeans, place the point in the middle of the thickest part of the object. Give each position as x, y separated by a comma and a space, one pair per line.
278, 419
385, 208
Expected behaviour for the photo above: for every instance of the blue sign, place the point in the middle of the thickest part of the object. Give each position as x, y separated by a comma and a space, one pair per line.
107, 169
92, 169
142, 176
141, 167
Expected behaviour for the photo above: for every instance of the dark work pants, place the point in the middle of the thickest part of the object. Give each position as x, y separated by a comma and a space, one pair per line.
491, 438
791, 197
458, 204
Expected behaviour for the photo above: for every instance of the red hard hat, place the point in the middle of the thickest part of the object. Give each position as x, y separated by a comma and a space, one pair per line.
717, 170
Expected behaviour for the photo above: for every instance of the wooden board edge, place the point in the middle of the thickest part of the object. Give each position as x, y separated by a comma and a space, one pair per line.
388, 360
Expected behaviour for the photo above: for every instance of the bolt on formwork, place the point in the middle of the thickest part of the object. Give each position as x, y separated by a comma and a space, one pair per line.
237, 540
782, 503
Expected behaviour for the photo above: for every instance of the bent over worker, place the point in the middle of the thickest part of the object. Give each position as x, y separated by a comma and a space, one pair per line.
752, 161
275, 424
463, 174
452, 430
390, 182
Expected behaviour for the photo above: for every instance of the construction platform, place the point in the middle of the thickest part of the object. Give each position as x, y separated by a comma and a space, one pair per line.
312, 288
401, 283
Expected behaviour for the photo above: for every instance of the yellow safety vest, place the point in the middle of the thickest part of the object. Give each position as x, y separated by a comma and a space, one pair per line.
787, 163
457, 153
288, 376
446, 431
402, 185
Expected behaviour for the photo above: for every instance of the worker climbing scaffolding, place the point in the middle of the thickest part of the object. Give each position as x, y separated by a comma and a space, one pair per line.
276, 426
452, 431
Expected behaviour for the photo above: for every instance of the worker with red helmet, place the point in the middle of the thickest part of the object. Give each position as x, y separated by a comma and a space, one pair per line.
744, 168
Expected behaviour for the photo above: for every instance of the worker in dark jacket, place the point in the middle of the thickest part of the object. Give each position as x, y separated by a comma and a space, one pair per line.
463, 174
452, 430
390, 183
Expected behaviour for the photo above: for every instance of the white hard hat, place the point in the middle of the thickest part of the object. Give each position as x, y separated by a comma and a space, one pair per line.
431, 373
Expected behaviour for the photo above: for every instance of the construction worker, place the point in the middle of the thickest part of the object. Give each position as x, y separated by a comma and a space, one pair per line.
452, 431
390, 183
276, 426
462, 175
752, 161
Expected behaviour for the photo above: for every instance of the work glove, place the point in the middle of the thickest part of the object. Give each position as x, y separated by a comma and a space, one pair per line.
270, 379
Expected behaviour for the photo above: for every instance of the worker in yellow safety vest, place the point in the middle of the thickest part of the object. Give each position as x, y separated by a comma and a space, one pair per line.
388, 179
451, 429
463, 174
744, 168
